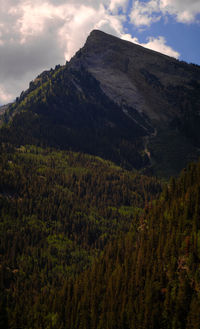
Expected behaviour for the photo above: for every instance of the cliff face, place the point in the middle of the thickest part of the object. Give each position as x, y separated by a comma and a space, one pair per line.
117, 100
159, 93
139, 78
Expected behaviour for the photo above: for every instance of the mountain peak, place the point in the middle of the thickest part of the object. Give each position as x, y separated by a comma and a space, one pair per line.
122, 67
103, 39
133, 76
115, 99
100, 40
102, 36
97, 33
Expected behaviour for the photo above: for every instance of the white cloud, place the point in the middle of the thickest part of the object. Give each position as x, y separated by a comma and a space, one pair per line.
115, 5
128, 37
157, 44
37, 35
146, 13
185, 11
76, 28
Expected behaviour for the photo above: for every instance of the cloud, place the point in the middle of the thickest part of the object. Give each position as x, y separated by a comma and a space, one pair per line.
157, 44
185, 11
37, 35
116, 5
128, 37
145, 13
4, 95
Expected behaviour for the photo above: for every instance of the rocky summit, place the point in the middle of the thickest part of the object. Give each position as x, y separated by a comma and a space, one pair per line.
117, 100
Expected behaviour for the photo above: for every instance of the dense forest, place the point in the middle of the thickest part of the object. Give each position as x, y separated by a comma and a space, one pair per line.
58, 211
85, 244
151, 277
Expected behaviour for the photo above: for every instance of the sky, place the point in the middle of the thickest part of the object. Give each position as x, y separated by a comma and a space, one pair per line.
37, 35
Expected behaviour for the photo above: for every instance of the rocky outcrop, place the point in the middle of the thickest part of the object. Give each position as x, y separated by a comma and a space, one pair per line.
117, 100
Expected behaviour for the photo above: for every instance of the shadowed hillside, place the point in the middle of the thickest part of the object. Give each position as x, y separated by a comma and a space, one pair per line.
117, 100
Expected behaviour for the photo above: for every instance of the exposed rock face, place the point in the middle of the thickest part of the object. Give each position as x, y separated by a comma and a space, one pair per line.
136, 77
159, 93
117, 100
3, 108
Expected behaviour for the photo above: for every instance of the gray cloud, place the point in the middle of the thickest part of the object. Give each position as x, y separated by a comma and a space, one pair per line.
37, 35
21, 60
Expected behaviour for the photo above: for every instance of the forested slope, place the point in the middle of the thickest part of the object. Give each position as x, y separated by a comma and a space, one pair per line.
151, 277
93, 258
65, 108
58, 210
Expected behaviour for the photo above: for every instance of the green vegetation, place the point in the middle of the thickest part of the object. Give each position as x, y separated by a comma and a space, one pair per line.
84, 244
164, 154
66, 109
150, 277
58, 211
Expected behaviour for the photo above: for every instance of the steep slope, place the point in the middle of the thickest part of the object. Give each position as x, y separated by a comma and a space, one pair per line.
115, 99
58, 210
150, 88
139, 78
66, 108
3, 108
149, 278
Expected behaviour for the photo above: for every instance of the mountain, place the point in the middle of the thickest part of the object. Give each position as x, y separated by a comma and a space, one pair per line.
84, 242
117, 100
